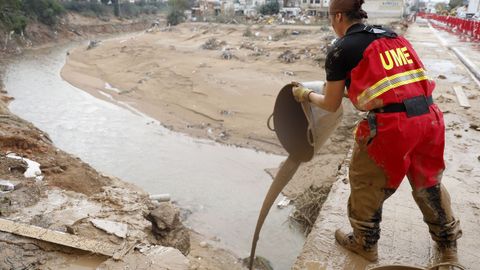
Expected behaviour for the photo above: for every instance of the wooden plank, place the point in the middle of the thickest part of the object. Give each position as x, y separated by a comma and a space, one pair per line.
57, 237
461, 97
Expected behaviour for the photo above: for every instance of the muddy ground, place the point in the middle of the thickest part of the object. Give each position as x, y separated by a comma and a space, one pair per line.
68, 195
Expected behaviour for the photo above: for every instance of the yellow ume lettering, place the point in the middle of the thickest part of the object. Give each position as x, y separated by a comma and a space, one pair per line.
397, 57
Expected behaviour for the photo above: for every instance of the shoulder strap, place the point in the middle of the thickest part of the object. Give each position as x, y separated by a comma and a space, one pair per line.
376, 30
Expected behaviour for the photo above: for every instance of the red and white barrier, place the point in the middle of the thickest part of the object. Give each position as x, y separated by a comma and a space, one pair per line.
466, 27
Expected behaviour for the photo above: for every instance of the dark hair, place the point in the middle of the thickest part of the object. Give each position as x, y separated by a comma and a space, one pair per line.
357, 13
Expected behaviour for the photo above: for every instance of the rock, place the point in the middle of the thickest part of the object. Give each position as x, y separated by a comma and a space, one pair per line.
164, 217
475, 127
6, 186
93, 44
478, 158
442, 77
203, 244
227, 55
111, 227
167, 228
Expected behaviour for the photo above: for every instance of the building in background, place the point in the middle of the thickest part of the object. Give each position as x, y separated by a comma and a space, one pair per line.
384, 8
473, 6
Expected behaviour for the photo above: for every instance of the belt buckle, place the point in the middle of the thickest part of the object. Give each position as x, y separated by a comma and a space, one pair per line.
416, 106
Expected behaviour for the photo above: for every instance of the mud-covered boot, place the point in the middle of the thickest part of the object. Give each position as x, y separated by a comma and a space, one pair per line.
354, 244
448, 251
447, 256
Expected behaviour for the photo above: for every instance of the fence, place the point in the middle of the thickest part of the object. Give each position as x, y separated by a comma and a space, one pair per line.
467, 27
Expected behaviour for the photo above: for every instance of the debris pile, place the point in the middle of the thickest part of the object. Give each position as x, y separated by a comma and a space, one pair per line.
288, 57
213, 44
308, 206
257, 51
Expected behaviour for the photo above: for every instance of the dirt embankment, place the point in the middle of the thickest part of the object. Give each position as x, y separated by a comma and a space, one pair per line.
70, 27
67, 195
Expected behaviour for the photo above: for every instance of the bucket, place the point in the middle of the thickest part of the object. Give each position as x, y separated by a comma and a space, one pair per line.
440, 266
302, 128
397, 267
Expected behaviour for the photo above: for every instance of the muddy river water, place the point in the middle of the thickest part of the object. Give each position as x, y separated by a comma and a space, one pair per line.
221, 187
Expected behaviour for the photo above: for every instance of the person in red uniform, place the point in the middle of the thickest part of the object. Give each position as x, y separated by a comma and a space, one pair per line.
402, 135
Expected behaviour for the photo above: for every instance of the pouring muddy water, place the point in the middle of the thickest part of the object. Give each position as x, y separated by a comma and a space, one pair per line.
302, 129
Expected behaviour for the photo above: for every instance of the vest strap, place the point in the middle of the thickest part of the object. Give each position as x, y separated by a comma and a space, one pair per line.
376, 30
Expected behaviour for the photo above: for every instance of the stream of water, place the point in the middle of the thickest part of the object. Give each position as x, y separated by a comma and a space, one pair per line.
223, 187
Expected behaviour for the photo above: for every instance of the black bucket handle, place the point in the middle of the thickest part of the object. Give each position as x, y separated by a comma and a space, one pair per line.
269, 123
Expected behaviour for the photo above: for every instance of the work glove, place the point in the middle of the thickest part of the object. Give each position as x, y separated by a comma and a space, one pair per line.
300, 92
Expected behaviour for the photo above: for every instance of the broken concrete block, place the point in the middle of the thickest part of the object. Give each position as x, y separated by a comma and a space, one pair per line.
156, 257
6, 185
111, 227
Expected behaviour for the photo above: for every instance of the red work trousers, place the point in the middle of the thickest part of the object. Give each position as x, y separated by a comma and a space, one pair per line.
401, 146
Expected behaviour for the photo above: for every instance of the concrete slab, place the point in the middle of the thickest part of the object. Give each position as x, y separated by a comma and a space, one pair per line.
405, 238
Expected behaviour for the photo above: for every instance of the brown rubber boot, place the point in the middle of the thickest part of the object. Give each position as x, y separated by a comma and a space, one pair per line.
448, 251
447, 256
354, 244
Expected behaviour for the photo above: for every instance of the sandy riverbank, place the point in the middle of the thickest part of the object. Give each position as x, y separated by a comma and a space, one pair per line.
169, 75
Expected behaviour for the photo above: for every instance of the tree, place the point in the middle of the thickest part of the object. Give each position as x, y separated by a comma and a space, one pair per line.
455, 3
12, 16
176, 11
46, 11
181, 5
440, 6
116, 7
270, 8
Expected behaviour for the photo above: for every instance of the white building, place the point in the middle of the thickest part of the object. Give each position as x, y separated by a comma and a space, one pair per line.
473, 6
384, 8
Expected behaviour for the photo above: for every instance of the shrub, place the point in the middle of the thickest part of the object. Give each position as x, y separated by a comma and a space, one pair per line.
175, 17
248, 32
129, 10
12, 16
14, 22
149, 9
87, 8
46, 11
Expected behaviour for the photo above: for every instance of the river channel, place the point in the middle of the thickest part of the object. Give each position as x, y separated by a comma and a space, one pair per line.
221, 187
